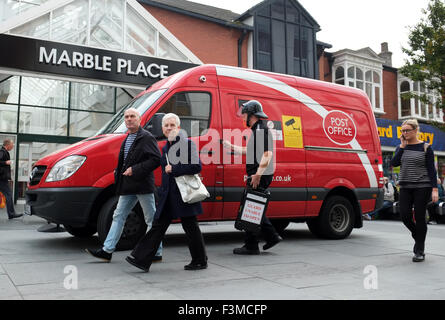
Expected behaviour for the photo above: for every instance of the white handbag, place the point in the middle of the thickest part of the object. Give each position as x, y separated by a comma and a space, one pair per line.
191, 187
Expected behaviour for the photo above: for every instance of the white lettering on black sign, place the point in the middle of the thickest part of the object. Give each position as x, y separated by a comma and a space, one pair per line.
101, 63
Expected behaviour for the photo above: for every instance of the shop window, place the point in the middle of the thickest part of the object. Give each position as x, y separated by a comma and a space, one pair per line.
43, 121
8, 118
44, 92
85, 124
192, 108
90, 97
9, 89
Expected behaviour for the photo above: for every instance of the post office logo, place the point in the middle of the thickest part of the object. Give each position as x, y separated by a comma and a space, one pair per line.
339, 127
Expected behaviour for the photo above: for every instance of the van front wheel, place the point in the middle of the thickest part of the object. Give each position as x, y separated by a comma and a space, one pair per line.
336, 219
134, 228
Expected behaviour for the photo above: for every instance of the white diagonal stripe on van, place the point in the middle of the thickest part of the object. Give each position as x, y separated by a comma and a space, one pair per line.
280, 86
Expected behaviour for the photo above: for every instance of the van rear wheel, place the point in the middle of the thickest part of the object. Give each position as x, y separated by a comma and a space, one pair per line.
134, 228
336, 219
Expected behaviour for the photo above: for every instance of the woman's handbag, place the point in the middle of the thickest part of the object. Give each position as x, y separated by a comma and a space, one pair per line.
191, 187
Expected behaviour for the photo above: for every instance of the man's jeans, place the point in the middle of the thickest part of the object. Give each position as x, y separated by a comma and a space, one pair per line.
6, 190
123, 209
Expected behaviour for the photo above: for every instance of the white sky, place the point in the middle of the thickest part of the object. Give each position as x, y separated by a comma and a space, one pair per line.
354, 24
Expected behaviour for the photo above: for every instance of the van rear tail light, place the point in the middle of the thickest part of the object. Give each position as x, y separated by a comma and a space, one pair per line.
380, 173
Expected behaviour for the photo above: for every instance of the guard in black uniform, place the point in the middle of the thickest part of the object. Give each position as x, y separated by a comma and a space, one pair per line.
260, 168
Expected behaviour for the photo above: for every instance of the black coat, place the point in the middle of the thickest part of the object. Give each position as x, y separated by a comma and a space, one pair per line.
169, 196
143, 158
5, 169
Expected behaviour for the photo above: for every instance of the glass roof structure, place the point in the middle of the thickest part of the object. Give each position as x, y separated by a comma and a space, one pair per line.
118, 25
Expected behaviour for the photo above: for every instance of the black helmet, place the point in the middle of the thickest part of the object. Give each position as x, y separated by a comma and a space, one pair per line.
255, 108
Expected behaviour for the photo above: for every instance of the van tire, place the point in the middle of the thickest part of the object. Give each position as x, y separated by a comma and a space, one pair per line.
134, 228
336, 219
80, 232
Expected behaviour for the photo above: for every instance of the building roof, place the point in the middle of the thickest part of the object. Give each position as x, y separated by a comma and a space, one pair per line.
198, 10
263, 3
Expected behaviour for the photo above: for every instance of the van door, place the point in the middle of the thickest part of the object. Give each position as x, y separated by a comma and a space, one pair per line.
288, 189
196, 111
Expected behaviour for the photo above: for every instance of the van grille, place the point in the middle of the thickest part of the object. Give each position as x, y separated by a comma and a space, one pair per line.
36, 175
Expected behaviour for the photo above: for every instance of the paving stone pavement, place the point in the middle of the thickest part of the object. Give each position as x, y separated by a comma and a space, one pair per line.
373, 263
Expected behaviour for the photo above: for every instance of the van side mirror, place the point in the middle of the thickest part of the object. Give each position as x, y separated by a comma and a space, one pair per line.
155, 125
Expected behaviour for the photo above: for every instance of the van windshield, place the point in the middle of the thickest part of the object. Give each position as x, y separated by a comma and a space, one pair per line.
142, 104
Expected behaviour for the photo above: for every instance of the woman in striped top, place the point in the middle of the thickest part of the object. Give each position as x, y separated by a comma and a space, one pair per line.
417, 183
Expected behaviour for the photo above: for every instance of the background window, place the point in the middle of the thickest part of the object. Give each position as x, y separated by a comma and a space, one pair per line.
405, 102
340, 75
285, 40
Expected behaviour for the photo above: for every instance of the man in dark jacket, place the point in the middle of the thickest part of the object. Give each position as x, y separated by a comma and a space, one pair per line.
139, 156
5, 176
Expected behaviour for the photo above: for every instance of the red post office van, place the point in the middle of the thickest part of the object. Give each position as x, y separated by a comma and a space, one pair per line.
328, 164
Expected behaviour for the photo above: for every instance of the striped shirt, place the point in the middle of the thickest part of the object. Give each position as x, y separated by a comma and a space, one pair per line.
417, 168
130, 139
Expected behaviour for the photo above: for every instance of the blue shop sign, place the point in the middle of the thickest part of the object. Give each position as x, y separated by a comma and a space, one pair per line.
390, 131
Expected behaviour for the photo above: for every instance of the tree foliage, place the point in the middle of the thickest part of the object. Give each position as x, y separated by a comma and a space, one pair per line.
426, 52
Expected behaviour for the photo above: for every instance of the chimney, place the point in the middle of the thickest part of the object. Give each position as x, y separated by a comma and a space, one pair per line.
386, 54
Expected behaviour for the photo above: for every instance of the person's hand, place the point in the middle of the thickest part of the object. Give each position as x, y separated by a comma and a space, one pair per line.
227, 144
255, 180
168, 169
8, 162
435, 195
128, 172
403, 142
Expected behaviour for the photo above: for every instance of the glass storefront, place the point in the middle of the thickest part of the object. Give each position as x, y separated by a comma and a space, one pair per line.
39, 113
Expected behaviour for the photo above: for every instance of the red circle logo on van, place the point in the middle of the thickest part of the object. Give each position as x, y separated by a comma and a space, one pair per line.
339, 127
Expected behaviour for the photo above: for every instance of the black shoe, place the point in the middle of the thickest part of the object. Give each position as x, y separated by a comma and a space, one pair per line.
196, 266
273, 242
100, 254
15, 216
157, 259
135, 263
419, 257
245, 251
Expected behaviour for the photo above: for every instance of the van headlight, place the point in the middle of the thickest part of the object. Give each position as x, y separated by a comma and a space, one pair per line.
65, 168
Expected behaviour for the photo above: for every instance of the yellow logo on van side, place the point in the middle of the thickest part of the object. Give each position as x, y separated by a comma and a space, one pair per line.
292, 131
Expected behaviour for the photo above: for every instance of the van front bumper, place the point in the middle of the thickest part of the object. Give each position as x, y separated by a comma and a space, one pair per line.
68, 206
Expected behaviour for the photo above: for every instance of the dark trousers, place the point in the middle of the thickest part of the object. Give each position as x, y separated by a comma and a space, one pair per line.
149, 244
267, 229
6, 190
419, 199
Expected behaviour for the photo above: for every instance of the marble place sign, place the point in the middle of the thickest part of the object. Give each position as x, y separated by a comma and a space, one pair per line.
89, 63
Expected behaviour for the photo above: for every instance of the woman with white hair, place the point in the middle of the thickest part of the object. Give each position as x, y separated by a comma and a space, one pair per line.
417, 181
183, 159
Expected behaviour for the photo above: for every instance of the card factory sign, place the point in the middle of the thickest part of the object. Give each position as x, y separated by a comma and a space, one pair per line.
63, 59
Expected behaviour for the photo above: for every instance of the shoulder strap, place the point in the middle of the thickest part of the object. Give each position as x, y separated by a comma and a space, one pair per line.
425, 146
